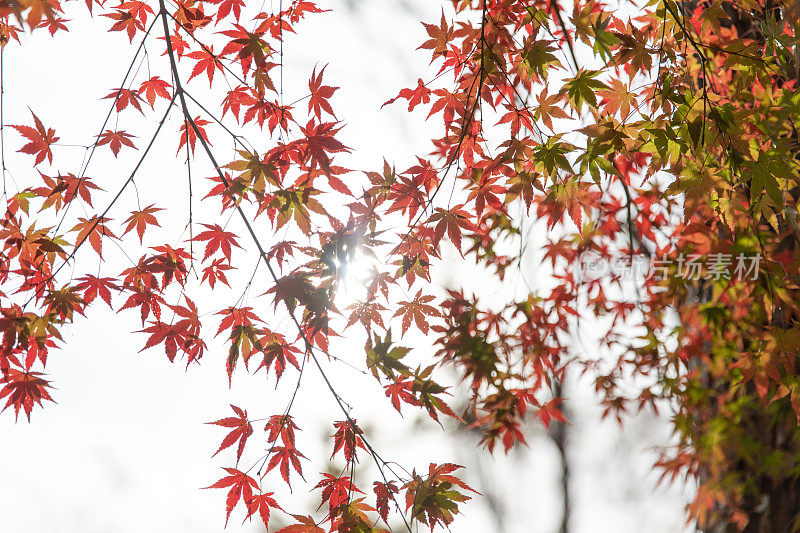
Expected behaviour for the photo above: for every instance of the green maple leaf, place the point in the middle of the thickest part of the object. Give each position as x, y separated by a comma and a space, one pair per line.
583, 88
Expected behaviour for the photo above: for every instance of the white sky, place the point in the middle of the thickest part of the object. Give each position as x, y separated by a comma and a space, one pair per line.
125, 448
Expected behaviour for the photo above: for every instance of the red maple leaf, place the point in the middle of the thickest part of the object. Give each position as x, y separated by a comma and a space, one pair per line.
417, 310
125, 97
153, 88
93, 287
421, 94
453, 221
336, 490
140, 220
262, 503
550, 411
241, 486
347, 438
235, 99
217, 238
94, 230
206, 61
40, 140
400, 390
172, 336
320, 142
384, 491
440, 37
240, 432
306, 525
216, 271
277, 350
286, 457
130, 17
23, 390
115, 140
320, 94
282, 426
187, 131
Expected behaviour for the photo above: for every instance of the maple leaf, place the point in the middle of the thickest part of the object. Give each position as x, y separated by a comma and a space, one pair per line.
262, 503
187, 131
240, 432
261, 110
335, 490
320, 141
40, 140
426, 391
306, 525
241, 487
124, 98
94, 230
93, 287
400, 389
236, 98
383, 492
418, 310
243, 316
115, 140
286, 457
618, 98
347, 438
153, 88
248, 47
191, 17
574, 197
23, 390
421, 94
282, 426
320, 94
217, 239
539, 58
440, 37
280, 250
63, 302
367, 313
517, 118
141, 219
452, 221
170, 335
216, 271
206, 61
291, 288
548, 108
277, 351
550, 411
146, 300
582, 88
352, 516
226, 6
53, 24
486, 191
435, 498
126, 20
244, 341
61, 190
179, 45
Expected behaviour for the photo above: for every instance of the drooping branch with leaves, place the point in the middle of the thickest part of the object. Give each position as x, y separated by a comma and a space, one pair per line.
661, 135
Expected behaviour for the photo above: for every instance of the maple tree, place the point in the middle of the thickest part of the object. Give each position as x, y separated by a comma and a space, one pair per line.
664, 131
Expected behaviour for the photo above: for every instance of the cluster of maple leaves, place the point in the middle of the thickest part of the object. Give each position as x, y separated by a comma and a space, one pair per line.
670, 157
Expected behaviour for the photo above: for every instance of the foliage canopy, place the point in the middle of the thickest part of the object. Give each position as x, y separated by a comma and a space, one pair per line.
664, 132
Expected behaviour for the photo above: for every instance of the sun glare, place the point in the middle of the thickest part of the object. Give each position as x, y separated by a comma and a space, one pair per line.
355, 278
